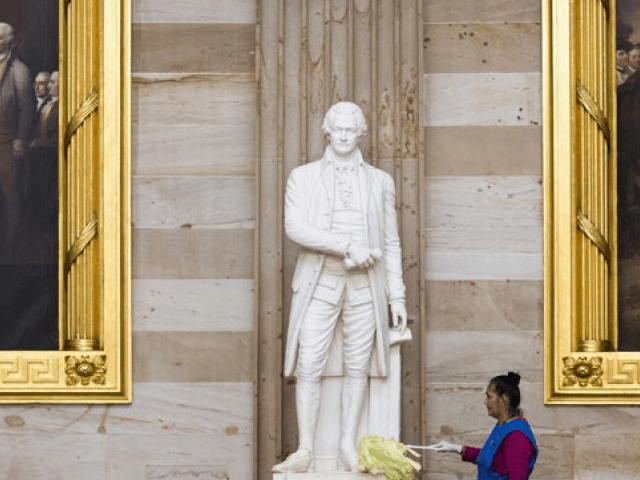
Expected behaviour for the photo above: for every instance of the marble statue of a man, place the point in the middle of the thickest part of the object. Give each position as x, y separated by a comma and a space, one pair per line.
341, 211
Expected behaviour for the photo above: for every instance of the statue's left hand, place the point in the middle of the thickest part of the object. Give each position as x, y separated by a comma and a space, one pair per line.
399, 316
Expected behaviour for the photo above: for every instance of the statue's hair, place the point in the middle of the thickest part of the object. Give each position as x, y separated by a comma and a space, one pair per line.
8, 35
345, 108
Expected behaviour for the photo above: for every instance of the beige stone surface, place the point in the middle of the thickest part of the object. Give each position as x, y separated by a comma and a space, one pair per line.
193, 357
200, 305
607, 457
199, 201
135, 457
444, 264
483, 150
192, 99
478, 47
463, 357
193, 47
187, 472
470, 11
459, 99
54, 457
484, 305
192, 149
193, 253
484, 214
205, 11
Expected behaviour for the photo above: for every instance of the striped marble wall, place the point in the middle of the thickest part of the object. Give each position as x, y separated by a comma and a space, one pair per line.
193, 108
483, 227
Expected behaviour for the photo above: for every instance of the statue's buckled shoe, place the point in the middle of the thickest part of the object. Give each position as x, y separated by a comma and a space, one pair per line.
298, 462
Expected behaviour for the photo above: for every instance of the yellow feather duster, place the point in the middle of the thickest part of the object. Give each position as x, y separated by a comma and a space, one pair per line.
378, 455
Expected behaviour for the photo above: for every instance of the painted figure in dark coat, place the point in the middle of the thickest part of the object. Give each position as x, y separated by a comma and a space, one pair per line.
17, 110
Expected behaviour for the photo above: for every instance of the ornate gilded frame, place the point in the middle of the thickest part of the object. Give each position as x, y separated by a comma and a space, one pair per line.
581, 361
93, 362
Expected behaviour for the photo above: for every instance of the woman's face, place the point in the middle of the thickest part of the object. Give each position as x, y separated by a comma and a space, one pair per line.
492, 401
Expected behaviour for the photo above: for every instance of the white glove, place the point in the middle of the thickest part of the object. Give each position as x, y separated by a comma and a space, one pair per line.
443, 446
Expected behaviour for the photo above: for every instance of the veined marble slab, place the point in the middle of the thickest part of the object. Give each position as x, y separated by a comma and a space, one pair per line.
482, 47
457, 99
209, 11
192, 99
469, 11
170, 202
192, 305
192, 149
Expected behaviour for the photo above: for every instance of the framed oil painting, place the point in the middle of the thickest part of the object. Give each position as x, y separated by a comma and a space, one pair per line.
592, 201
65, 321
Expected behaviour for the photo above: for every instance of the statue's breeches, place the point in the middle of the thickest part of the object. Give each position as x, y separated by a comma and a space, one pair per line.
338, 295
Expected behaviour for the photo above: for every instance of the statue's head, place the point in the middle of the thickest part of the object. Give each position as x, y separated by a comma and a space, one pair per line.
7, 38
344, 124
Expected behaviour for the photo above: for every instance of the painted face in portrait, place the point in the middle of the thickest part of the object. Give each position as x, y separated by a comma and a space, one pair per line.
41, 84
343, 135
53, 84
634, 58
622, 58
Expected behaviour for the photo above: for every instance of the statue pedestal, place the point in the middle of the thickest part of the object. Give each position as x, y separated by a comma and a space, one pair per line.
327, 476
381, 417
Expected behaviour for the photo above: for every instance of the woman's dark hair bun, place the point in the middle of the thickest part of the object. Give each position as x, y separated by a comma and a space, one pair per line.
513, 379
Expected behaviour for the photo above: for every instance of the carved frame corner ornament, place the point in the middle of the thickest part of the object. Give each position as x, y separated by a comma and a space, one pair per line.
582, 371
94, 213
581, 361
86, 369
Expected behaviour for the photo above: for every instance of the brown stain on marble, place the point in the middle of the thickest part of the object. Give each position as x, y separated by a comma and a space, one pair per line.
14, 421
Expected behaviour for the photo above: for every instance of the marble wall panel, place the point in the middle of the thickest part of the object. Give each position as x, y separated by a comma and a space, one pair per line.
223, 409
484, 214
470, 11
483, 151
478, 47
54, 457
448, 265
459, 99
192, 99
484, 305
193, 47
137, 457
193, 357
192, 305
208, 11
607, 457
192, 253
193, 149
469, 357
172, 201
178, 408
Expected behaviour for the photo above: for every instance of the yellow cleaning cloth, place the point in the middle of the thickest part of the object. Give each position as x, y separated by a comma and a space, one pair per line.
378, 455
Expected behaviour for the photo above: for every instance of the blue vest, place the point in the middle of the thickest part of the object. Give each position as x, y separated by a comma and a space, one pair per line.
498, 434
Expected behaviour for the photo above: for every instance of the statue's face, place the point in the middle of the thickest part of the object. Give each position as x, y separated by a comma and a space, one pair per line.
343, 135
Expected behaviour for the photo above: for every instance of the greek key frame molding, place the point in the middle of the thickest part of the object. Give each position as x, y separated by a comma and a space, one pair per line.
581, 361
93, 361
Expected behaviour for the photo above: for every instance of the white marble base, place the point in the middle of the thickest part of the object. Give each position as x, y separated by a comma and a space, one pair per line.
327, 476
381, 414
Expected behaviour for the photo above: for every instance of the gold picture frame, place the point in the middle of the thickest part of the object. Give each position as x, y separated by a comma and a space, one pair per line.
581, 361
93, 362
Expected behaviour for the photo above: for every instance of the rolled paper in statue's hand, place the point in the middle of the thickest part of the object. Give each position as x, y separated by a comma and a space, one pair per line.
348, 264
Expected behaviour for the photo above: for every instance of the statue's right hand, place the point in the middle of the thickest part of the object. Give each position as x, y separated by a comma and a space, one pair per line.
360, 255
